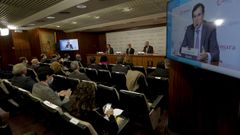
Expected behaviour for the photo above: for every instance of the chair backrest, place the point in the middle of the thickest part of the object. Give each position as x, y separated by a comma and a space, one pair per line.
82, 70
150, 70
110, 67
119, 79
67, 64
32, 74
72, 83
13, 90
105, 76
75, 126
103, 66
136, 107
92, 74
105, 94
158, 85
139, 68
59, 83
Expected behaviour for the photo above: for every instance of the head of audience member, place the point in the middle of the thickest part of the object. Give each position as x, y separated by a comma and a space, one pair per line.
129, 45
74, 65
56, 66
161, 65
92, 60
43, 56
19, 69
23, 60
119, 60
45, 74
166, 63
198, 14
67, 56
35, 61
83, 98
78, 57
147, 43
103, 59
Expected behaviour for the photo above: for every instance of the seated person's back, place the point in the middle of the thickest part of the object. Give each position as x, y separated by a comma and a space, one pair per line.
83, 104
76, 73
20, 79
160, 71
93, 64
44, 92
119, 67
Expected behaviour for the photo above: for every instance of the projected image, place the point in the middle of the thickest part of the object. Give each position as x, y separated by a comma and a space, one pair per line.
69, 45
204, 33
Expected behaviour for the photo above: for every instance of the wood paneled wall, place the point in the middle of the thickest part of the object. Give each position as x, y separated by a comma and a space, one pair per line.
202, 102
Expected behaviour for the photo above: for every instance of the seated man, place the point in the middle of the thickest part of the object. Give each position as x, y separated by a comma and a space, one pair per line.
93, 64
78, 58
20, 79
119, 67
44, 92
76, 74
160, 71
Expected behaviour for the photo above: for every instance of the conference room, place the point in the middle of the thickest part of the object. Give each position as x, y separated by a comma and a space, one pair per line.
119, 67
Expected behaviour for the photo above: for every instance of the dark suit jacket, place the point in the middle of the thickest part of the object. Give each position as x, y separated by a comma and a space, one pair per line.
24, 82
131, 51
78, 75
111, 51
208, 39
150, 49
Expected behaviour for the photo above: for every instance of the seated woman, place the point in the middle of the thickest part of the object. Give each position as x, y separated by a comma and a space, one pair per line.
83, 105
57, 68
44, 92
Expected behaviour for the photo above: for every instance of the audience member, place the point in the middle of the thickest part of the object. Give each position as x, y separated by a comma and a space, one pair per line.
83, 107
103, 59
130, 50
43, 58
119, 67
23, 60
160, 71
78, 58
20, 79
57, 68
35, 64
44, 92
76, 74
93, 64
109, 49
66, 57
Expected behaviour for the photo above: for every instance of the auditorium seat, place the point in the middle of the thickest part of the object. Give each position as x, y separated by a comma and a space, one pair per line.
31, 73
92, 74
139, 111
119, 80
82, 70
139, 68
105, 76
157, 85
105, 94
150, 70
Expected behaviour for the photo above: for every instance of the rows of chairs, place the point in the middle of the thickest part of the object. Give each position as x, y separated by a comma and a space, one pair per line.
61, 121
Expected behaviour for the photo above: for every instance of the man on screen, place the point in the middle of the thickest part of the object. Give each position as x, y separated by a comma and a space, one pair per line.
68, 46
201, 37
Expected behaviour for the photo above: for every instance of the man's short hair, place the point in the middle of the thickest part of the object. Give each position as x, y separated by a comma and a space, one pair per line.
74, 65
19, 68
22, 59
197, 6
43, 72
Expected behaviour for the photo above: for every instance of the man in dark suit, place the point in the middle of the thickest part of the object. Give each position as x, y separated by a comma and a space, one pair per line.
109, 49
130, 50
201, 35
68, 46
148, 48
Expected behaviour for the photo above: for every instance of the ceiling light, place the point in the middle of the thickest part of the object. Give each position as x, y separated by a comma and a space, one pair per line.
4, 32
218, 22
12, 27
81, 6
50, 17
126, 9
58, 26
74, 22
97, 17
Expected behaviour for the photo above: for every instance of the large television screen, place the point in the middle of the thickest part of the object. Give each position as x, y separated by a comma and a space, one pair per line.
205, 34
68, 44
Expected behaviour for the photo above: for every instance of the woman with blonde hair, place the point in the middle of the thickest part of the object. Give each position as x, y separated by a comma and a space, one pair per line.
57, 68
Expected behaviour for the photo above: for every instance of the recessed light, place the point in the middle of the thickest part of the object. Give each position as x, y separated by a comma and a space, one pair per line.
127, 9
97, 17
12, 27
58, 26
81, 6
74, 22
50, 17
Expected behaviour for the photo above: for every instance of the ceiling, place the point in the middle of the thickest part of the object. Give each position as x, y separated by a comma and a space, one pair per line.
82, 15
